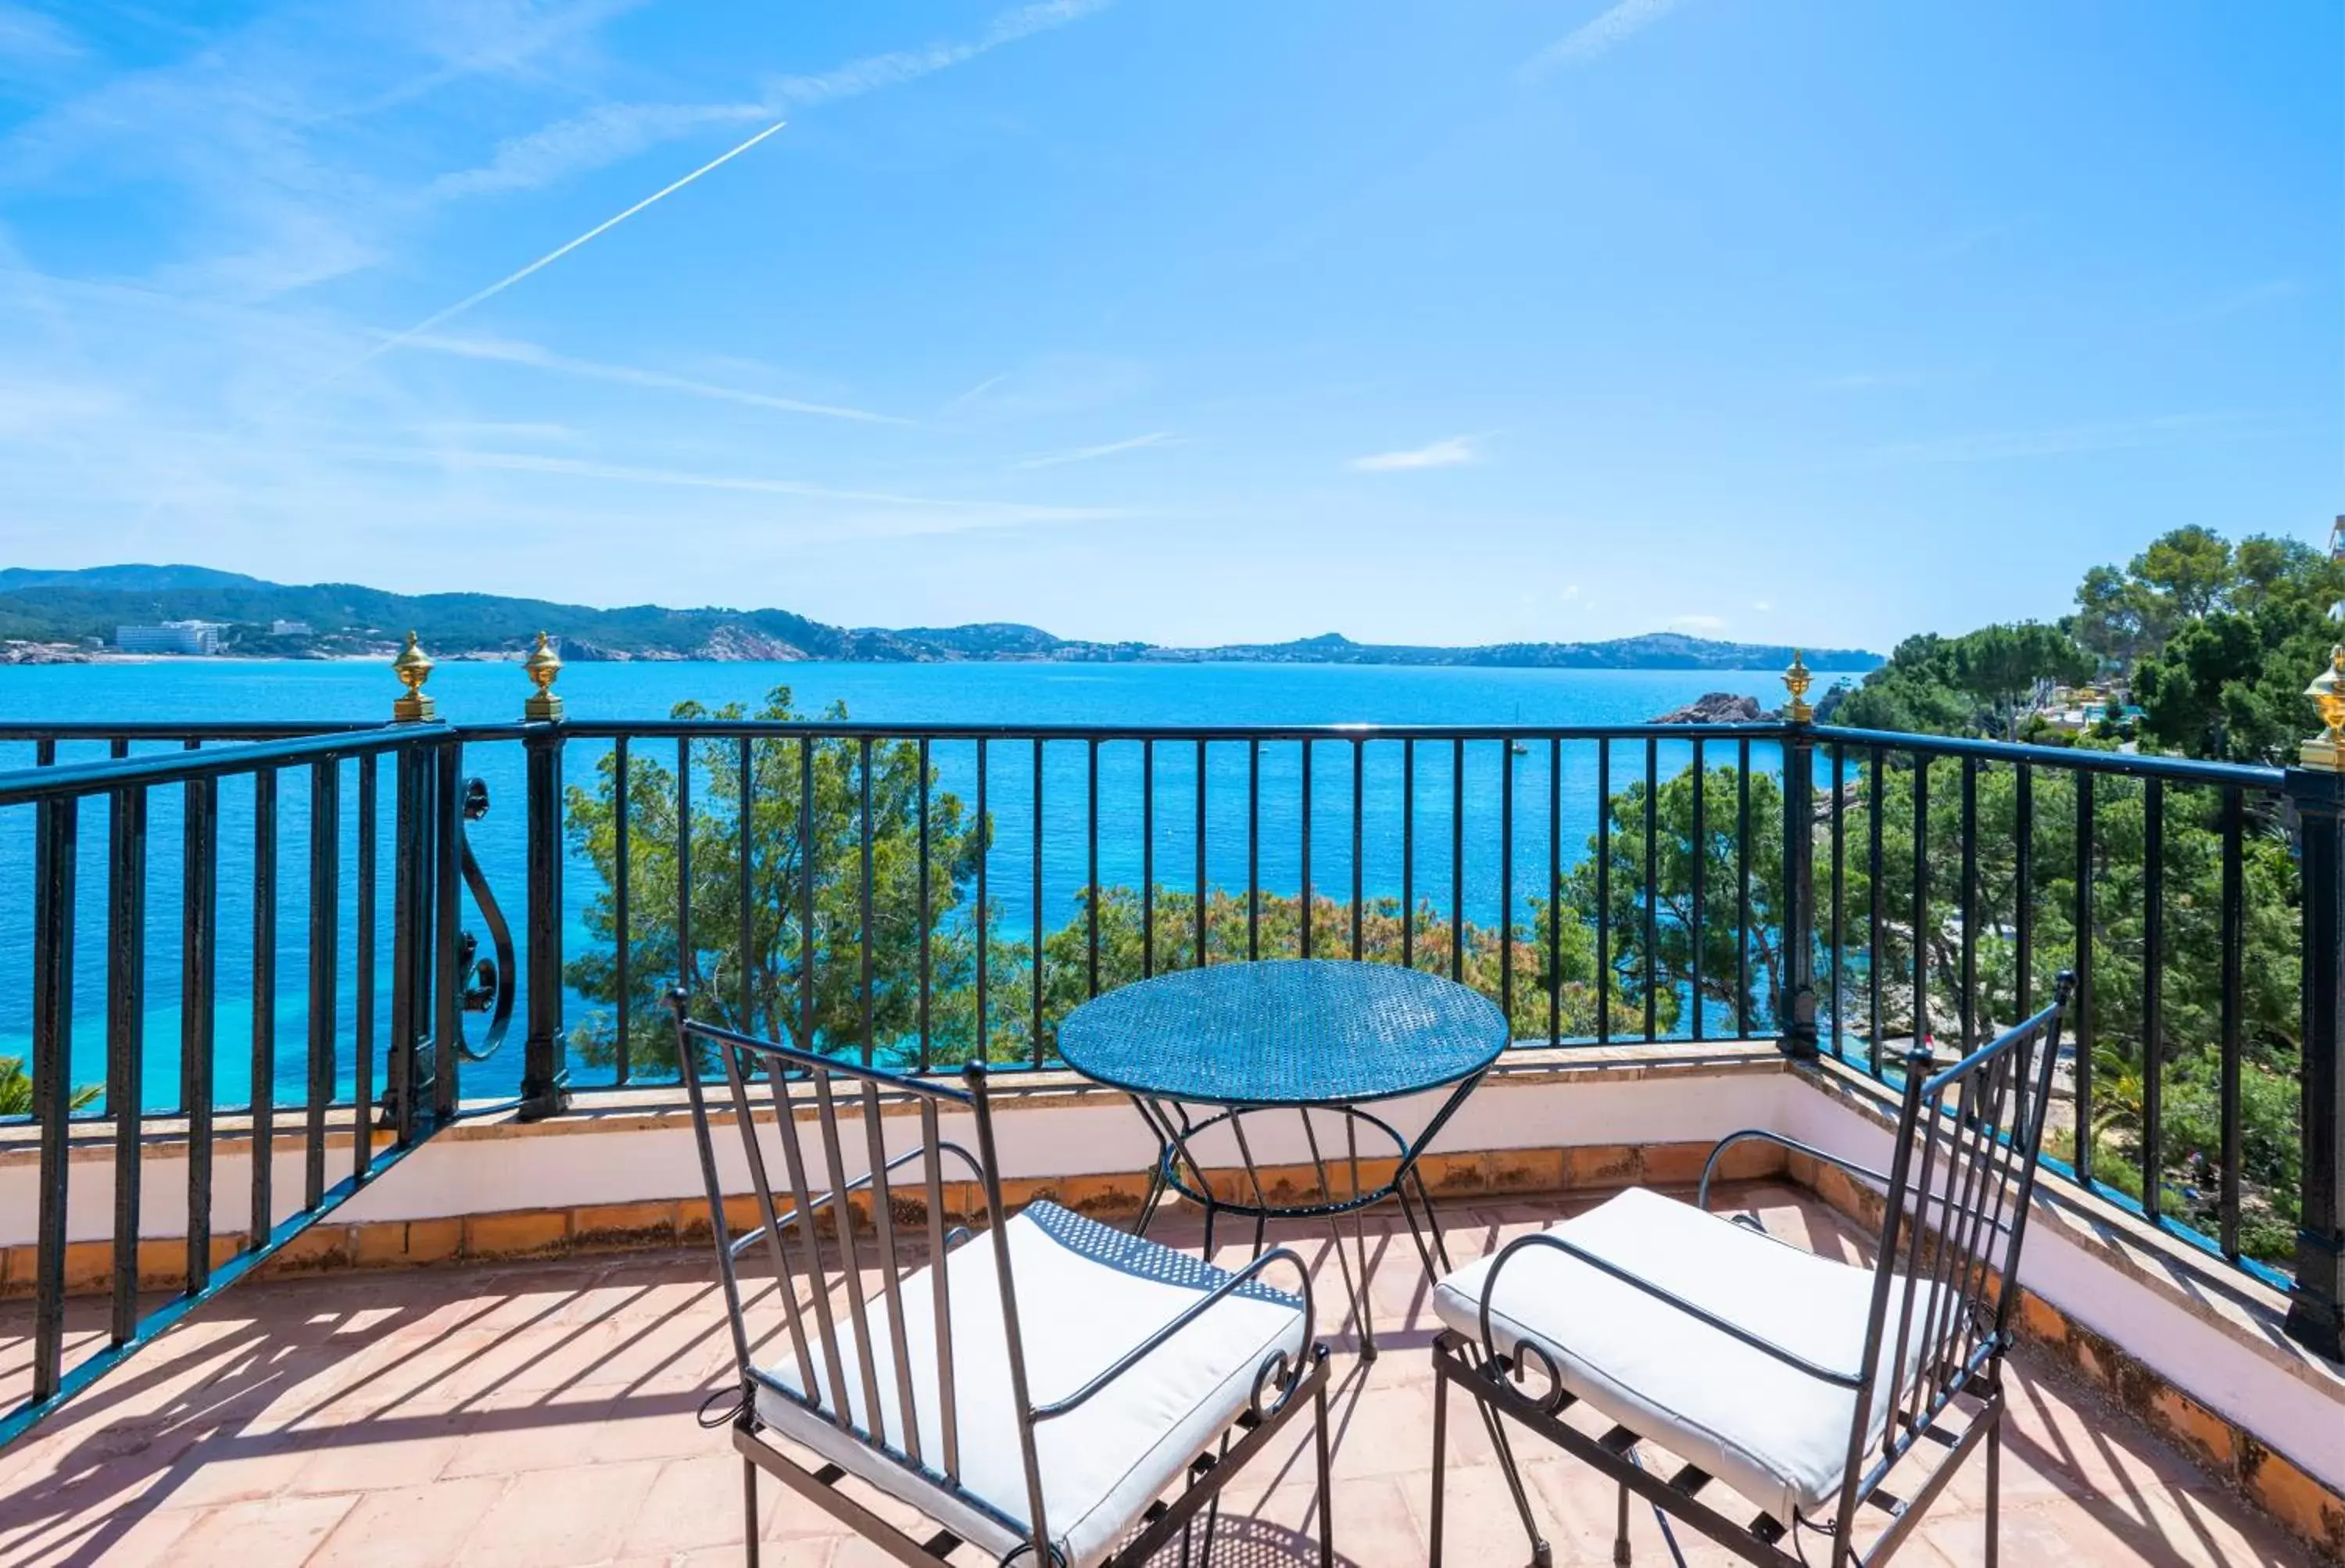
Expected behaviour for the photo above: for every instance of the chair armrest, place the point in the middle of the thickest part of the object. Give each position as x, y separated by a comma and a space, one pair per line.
1710, 1166
1701, 1194
1604, 1265
1288, 1372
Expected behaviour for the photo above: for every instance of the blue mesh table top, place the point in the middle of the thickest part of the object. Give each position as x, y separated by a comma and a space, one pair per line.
1285, 1032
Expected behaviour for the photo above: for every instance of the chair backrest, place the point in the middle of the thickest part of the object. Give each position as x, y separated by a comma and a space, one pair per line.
1969, 1138
831, 1296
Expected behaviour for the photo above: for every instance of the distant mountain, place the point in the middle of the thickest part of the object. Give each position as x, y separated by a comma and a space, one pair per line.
345, 617
134, 579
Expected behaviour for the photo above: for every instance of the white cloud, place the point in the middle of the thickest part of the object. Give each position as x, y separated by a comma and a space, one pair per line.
1599, 37
609, 132
1109, 449
1762, 606
1698, 623
1449, 452
510, 352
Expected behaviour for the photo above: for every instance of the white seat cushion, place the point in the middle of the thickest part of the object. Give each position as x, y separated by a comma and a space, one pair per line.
1086, 1295
1770, 1432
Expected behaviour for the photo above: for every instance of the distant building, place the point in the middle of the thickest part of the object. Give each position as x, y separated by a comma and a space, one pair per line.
2337, 553
170, 637
290, 629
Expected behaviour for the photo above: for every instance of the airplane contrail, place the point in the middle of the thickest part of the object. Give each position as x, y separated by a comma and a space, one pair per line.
442, 317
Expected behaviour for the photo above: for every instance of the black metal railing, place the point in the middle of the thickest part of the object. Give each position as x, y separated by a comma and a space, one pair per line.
918, 896
323, 797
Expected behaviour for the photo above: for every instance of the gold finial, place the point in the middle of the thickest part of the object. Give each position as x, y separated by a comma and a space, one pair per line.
413, 667
2327, 750
542, 665
1796, 680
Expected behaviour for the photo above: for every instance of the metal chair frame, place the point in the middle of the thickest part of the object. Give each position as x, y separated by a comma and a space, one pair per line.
798, 1081
1957, 1192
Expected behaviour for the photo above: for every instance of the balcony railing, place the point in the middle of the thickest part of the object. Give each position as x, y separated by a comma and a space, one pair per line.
916, 895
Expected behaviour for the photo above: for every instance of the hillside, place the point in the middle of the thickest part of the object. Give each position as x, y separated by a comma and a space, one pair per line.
71, 606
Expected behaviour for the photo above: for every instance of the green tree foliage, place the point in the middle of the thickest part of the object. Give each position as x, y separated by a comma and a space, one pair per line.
2189, 1058
761, 988
16, 1090
2217, 640
1981, 682
1716, 862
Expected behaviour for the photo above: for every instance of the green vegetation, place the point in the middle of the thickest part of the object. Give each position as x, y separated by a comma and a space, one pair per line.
16, 1090
2216, 640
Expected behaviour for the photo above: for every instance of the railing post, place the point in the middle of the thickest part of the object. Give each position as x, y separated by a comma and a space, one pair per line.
2316, 796
1797, 1014
407, 1078
545, 1072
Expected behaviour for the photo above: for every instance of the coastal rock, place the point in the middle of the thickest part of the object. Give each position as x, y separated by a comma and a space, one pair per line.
1717, 707
736, 644
15, 652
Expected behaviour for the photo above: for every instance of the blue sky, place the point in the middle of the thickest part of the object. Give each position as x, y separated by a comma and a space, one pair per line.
1823, 320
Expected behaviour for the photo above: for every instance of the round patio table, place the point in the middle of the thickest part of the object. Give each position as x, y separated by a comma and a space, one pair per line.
1237, 1047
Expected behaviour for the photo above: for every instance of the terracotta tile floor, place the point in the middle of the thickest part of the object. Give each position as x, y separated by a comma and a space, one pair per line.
543, 1414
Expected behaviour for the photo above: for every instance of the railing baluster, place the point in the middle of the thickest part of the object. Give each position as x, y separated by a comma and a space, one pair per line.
1505, 882
2234, 922
1839, 900
1604, 891
745, 889
1359, 803
448, 982
1408, 854
927, 918
1876, 963
984, 828
1920, 905
2082, 1013
1653, 885
1969, 1008
1698, 864
870, 1041
1742, 889
1091, 879
1555, 890
263, 1108
2153, 995
1200, 910
1035, 885
2022, 878
1147, 859
53, 883
1253, 849
688, 961
125, 1036
621, 913
199, 863
1457, 861
1303, 837
809, 851
362, 991
325, 954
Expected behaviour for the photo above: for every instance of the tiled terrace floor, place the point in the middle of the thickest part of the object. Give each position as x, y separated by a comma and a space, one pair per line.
543, 1414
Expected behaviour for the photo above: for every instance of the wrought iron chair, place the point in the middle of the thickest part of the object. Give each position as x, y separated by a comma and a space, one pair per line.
1057, 1393
1797, 1382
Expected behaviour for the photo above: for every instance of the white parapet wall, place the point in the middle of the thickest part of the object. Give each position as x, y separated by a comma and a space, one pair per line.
2188, 1321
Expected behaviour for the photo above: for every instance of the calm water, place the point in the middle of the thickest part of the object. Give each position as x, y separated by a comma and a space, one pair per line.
1005, 693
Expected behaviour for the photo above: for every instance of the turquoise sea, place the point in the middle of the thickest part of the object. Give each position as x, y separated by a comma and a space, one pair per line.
1013, 694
